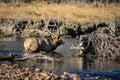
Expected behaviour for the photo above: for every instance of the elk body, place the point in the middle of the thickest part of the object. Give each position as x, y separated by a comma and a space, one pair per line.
47, 44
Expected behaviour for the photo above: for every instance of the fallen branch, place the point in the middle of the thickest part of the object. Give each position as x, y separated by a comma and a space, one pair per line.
23, 57
37, 56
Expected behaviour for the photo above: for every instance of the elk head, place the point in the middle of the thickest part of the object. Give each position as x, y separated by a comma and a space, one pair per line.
56, 38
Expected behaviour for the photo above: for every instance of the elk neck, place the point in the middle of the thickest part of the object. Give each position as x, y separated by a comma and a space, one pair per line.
54, 40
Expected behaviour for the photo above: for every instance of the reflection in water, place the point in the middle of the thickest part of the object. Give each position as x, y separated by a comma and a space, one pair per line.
68, 62
101, 65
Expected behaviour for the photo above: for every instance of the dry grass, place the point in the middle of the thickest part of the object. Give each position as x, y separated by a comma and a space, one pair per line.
72, 12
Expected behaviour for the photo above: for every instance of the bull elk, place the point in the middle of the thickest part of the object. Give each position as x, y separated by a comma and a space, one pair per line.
47, 44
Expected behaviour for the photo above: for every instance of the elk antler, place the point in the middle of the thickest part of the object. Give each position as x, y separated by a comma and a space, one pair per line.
46, 28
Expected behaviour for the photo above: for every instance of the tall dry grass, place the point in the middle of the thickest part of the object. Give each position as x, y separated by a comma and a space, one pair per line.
66, 11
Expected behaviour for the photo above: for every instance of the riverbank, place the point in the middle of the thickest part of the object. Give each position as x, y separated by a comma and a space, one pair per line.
31, 27
15, 18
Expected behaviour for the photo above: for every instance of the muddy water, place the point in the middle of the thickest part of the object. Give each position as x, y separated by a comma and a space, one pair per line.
67, 61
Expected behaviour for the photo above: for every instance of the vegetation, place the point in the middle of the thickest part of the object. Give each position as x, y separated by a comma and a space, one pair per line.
68, 12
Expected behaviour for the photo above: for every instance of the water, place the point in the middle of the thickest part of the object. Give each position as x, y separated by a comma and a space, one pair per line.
67, 61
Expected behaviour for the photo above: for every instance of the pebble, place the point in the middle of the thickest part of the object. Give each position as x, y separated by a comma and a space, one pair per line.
14, 72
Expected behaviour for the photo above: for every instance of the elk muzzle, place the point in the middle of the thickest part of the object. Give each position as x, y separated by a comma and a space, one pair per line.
61, 42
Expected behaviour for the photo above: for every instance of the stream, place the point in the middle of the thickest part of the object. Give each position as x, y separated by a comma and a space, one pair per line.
68, 60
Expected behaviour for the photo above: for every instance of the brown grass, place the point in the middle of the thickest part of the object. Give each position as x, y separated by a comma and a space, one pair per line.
72, 12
